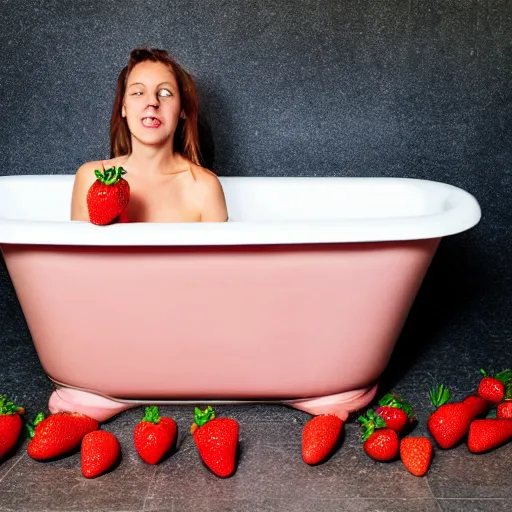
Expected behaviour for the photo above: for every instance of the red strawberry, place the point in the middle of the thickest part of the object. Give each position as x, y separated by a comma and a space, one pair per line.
216, 440
486, 434
504, 410
154, 435
492, 389
123, 217
416, 454
10, 425
382, 445
379, 442
478, 405
108, 196
396, 419
450, 422
396, 411
58, 434
99, 452
319, 437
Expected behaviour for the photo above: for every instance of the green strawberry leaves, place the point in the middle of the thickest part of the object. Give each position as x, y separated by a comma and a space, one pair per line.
152, 415
370, 423
30, 427
440, 395
203, 417
506, 378
110, 176
8, 407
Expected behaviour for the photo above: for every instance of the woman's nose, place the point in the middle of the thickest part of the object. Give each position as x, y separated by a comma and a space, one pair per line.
153, 102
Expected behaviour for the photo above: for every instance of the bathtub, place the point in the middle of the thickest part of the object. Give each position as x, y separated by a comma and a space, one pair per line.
298, 299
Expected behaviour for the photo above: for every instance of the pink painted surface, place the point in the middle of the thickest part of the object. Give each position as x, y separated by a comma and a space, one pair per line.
253, 322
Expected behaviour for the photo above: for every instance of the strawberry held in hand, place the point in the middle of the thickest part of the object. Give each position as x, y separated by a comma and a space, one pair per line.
451, 421
216, 440
154, 435
108, 197
319, 437
58, 434
99, 452
10, 425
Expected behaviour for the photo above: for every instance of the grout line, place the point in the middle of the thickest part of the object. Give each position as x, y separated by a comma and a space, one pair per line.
149, 488
327, 500
431, 492
11, 468
473, 499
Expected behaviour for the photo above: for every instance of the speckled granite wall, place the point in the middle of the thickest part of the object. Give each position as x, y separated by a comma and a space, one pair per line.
331, 88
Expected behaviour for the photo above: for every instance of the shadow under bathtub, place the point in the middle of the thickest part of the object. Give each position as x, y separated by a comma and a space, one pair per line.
452, 287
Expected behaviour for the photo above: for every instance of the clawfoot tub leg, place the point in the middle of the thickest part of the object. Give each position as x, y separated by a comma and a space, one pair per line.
94, 406
341, 404
101, 408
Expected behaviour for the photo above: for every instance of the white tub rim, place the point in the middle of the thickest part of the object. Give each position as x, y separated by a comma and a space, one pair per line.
460, 212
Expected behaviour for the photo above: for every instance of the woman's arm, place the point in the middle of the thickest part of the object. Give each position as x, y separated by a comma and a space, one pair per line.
84, 178
213, 202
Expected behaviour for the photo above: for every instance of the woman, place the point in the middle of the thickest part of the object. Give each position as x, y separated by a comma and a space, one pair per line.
154, 137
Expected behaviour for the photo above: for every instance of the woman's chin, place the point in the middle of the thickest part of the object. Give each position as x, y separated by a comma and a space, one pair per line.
153, 139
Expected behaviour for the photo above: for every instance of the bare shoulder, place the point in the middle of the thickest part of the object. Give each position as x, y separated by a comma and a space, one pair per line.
204, 177
210, 195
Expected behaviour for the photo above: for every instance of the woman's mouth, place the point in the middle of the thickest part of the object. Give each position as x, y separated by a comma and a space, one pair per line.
151, 122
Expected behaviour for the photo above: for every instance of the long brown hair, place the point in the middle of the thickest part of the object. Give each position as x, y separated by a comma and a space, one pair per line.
186, 137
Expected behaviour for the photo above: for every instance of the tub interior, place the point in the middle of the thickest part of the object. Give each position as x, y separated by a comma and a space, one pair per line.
256, 199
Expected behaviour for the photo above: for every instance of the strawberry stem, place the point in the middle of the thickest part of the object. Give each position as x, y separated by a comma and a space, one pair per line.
439, 396
483, 372
110, 176
152, 415
30, 427
202, 417
8, 407
370, 423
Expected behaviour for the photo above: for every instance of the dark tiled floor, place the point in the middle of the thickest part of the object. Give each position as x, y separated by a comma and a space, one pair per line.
439, 344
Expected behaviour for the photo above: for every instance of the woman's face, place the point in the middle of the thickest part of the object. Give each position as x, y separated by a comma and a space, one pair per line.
152, 103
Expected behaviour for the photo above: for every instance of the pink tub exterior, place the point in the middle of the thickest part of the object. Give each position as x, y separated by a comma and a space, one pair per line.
309, 322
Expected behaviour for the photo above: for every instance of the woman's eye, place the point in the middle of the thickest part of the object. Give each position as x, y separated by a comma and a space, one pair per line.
136, 93
164, 92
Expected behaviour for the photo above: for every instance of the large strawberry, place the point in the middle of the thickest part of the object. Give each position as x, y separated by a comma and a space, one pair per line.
396, 411
57, 434
416, 454
489, 433
216, 440
154, 435
319, 436
99, 452
379, 442
449, 423
108, 197
10, 425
